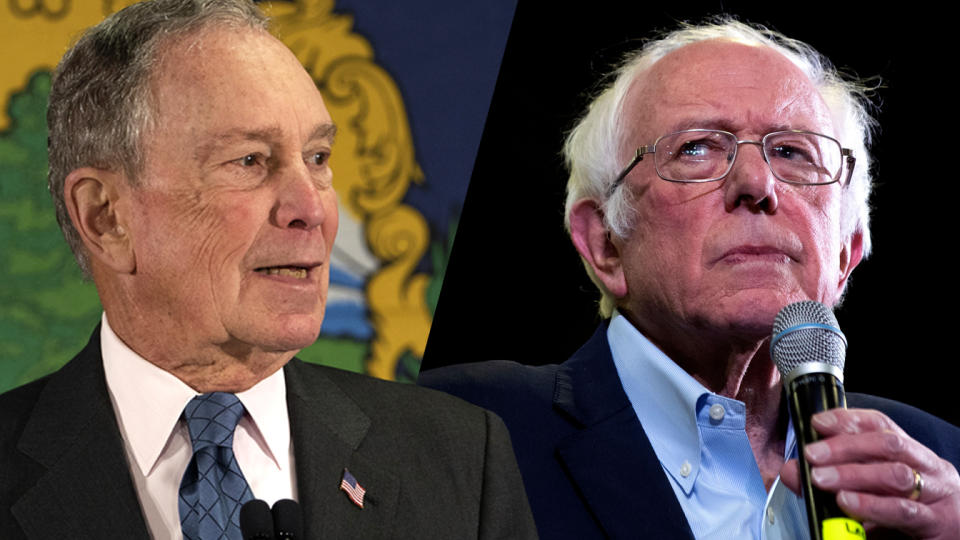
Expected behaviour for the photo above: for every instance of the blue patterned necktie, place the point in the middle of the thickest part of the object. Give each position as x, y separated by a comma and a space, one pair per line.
213, 488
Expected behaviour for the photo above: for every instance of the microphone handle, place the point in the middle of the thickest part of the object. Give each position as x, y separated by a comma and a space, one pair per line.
809, 394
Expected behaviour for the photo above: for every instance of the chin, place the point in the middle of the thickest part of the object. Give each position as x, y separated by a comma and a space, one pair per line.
288, 333
752, 312
296, 337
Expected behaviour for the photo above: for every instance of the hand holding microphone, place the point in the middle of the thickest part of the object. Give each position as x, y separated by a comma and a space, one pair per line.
858, 462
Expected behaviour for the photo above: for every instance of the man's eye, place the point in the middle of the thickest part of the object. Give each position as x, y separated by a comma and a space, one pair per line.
250, 160
693, 149
699, 149
792, 153
319, 158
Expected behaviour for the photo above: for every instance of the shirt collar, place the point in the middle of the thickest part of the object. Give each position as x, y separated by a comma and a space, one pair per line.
269, 415
664, 398
148, 402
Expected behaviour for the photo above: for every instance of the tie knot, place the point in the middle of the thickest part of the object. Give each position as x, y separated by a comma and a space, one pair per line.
212, 418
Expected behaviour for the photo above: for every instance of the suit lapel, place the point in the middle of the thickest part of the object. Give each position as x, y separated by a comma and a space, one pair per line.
328, 429
73, 434
610, 459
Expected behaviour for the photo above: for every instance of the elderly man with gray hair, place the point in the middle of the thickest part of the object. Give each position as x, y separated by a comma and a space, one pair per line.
720, 177
189, 164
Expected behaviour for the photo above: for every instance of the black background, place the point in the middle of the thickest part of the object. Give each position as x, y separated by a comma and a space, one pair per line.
515, 287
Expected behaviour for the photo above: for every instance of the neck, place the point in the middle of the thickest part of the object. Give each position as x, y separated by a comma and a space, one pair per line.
207, 358
203, 366
737, 367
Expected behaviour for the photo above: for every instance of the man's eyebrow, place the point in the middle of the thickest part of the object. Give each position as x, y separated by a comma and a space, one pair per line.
703, 123
324, 131
725, 125
204, 150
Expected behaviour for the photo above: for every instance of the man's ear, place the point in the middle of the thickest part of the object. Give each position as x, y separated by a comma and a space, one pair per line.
850, 256
93, 199
592, 239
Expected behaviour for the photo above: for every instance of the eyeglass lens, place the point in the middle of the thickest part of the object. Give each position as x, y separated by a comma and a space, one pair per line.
701, 155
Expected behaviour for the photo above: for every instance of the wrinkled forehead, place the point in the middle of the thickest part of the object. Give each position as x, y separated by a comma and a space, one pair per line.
221, 76
218, 56
747, 89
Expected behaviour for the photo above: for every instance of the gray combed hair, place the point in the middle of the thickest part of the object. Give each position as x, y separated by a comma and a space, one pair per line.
592, 150
100, 101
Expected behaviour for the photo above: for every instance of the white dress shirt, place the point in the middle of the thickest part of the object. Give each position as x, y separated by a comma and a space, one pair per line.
148, 403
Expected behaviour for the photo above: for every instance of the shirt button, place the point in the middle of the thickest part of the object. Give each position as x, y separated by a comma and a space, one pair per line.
685, 469
717, 412
770, 516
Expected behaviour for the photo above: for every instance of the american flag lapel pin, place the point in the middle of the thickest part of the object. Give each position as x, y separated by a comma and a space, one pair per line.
352, 488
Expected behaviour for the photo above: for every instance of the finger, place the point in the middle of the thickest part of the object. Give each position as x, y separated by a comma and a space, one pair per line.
911, 517
892, 479
872, 446
850, 421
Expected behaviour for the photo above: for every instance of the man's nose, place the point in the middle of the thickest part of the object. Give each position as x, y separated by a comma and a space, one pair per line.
300, 202
750, 183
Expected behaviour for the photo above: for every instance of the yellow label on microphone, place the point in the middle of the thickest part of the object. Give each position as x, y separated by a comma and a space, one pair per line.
843, 529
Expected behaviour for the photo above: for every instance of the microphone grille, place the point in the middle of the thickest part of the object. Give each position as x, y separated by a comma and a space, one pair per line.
256, 523
287, 520
805, 332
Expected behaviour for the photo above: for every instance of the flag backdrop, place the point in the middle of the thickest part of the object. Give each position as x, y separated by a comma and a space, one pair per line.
408, 85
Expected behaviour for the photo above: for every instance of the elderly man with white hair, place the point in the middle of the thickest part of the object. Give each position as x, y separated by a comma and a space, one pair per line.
721, 176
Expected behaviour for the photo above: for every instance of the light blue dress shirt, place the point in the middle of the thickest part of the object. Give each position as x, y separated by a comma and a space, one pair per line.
701, 442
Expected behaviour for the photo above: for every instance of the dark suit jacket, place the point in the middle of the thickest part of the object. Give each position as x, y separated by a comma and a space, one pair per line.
432, 466
586, 461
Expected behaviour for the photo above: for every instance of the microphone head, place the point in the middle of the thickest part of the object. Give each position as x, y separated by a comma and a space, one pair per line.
807, 338
256, 523
287, 521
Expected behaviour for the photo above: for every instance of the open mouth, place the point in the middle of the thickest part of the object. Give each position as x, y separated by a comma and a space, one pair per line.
299, 272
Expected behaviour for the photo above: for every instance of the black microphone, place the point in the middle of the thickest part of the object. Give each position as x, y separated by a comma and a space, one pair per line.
256, 523
809, 350
287, 522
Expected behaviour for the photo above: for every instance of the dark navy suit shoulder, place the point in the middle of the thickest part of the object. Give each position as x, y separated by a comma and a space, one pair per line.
489, 382
581, 450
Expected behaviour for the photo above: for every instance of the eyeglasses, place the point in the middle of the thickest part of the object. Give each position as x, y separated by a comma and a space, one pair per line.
707, 155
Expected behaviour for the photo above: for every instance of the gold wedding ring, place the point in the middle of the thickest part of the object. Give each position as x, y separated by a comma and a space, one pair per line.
917, 486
